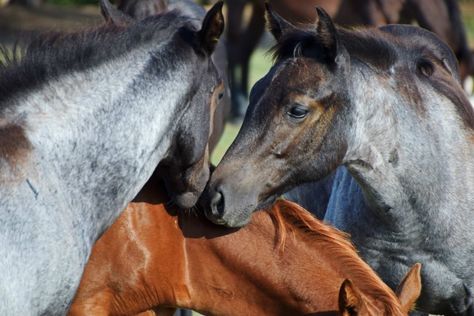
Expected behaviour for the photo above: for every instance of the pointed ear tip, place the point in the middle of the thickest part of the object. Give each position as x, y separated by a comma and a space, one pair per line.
219, 5
345, 284
416, 269
321, 12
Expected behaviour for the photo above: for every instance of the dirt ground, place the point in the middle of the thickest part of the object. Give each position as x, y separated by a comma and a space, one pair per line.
17, 21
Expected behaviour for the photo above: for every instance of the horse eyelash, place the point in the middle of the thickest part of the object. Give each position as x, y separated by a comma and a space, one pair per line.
425, 67
297, 51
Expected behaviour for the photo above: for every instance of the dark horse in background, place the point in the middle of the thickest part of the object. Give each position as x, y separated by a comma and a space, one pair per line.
382, 113
439, 16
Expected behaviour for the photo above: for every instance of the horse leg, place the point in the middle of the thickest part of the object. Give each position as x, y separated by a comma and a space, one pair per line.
253, 34
235, 10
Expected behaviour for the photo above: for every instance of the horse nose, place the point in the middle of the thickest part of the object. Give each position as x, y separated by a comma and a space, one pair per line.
217, 203
217, 206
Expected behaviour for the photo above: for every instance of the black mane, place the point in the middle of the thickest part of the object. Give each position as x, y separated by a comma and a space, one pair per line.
54, 54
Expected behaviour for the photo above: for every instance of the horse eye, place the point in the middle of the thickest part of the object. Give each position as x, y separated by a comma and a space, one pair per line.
220, 95
298, 112
425, 67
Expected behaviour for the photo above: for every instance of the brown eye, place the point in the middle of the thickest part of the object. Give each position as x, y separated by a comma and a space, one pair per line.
298, 112
425, 67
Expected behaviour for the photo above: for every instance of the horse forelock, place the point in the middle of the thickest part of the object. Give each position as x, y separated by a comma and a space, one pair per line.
54, 54
365, 45
290, 218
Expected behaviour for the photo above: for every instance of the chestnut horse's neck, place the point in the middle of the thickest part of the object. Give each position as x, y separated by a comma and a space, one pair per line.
313, 260
283, 263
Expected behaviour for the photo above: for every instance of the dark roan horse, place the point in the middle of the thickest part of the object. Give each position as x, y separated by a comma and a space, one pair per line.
387, 106
85, 118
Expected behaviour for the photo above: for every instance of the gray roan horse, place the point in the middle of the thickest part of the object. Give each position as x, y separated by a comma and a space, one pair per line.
387, 106
141, 9
85, 120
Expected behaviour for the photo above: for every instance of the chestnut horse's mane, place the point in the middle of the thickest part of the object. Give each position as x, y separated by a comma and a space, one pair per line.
290, 218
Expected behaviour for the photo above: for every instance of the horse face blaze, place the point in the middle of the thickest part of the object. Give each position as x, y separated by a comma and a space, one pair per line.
287, 125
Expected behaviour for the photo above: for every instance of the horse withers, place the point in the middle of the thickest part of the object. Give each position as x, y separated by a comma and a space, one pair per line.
85, 120
285, 262
388, 107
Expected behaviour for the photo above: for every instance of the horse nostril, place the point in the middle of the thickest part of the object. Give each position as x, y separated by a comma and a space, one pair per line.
217, 204
212, 168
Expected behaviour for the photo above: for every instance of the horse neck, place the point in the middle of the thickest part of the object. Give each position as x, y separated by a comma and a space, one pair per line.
92, 129
187, 262
246, 273
410, 162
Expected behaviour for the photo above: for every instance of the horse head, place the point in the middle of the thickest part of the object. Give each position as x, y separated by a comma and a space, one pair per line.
185, 166
291, 110
353, 302
328, 99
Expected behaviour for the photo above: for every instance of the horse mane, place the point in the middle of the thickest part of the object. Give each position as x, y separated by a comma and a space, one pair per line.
379, 48
53, 54
290, 218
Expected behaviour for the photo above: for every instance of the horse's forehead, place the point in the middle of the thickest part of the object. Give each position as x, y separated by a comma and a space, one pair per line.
301, 73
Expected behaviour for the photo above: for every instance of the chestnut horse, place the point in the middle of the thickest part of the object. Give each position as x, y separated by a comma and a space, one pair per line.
284, 263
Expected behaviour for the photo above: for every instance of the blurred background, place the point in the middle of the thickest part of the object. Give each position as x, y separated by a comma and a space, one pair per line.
246, 40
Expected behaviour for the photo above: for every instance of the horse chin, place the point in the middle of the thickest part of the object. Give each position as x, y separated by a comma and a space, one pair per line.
186, 200
235, 221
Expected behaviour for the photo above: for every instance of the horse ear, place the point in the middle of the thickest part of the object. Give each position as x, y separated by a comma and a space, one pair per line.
410, 288
277, 25
111, 14
327, 34
212, 28
350, 299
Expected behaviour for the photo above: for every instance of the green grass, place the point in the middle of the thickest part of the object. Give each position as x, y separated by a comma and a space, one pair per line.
230, 131
260, 63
